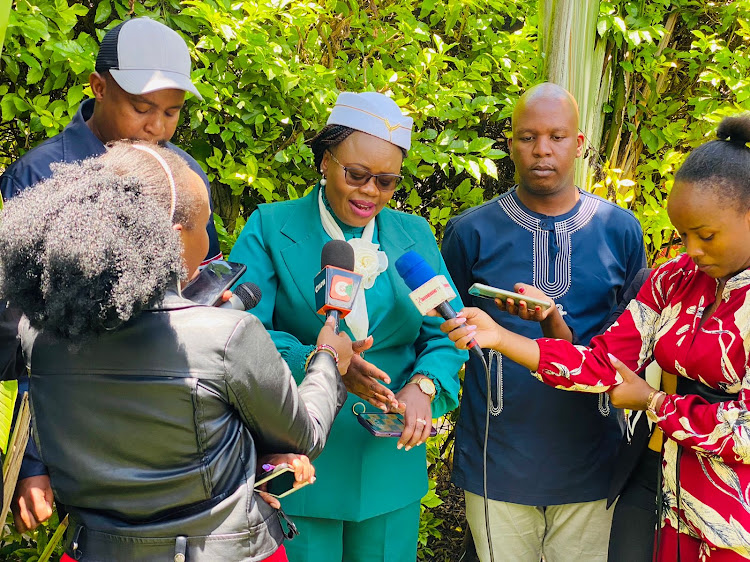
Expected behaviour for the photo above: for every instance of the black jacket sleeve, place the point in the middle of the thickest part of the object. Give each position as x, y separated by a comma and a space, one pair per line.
282, 416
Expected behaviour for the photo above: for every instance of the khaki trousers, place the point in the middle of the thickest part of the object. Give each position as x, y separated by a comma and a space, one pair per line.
577, 532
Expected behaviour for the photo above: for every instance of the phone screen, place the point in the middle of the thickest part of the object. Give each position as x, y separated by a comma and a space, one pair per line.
385, 425
217, 277
282, 485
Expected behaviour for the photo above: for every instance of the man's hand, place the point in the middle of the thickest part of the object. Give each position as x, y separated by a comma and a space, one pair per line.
32, 502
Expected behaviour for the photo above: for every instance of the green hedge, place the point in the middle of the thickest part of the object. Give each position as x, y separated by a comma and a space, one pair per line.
270, 72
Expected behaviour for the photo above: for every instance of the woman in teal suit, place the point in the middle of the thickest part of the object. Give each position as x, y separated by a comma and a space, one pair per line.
365, 503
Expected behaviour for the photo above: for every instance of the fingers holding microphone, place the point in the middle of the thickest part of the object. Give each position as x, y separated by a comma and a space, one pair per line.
473, 324
341, 342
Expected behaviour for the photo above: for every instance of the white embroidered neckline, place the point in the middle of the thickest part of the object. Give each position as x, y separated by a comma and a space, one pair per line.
560, 284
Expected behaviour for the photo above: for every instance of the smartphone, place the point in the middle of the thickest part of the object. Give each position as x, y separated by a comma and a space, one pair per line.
210, 284
280, 480
385, 425
487, 292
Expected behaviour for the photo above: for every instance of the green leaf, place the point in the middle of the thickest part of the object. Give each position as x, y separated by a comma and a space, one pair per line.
472, 166
8, 107
35, 68
103, 11
481, 145
8, 393
414, 200
490, 167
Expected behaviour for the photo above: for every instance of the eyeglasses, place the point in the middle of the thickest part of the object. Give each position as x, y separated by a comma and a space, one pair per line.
357, 177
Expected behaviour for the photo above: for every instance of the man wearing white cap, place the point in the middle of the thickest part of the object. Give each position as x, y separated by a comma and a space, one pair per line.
142, 74
365, 503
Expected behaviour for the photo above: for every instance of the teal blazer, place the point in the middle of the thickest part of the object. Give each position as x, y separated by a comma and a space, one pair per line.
358, 475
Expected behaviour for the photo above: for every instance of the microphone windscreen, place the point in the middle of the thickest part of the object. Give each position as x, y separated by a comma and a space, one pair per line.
249, 293
337, 253
414, 270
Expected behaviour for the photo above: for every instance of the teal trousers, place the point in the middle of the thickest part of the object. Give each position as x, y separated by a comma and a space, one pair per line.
391, 537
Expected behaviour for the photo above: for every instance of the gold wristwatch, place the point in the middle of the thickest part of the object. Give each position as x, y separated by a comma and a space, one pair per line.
426, 385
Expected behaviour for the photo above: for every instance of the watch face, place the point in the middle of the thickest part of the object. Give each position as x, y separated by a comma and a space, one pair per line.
652, 416
427, 386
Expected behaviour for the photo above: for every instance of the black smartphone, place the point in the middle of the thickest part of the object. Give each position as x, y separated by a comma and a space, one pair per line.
210, 284
382, 424
280, 480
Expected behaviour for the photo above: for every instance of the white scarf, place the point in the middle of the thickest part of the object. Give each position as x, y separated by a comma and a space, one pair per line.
369, 262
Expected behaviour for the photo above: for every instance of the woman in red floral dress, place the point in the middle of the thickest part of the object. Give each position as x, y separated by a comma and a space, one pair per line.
693, 318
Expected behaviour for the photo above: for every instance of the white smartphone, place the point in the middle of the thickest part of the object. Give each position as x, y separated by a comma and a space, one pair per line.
487, 292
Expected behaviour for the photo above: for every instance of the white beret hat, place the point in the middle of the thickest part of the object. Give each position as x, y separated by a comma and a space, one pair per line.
375, 114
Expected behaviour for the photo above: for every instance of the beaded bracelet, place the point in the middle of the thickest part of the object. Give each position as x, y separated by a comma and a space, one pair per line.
327, 349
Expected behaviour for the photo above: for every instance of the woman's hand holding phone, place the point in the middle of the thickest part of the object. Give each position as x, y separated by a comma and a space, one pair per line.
532, 313
414, 406
304, 473
528, 303
550, 319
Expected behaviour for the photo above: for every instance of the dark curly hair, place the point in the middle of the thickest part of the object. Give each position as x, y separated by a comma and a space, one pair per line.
92, 246
722, 163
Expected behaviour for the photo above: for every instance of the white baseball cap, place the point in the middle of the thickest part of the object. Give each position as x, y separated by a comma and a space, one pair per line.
143, 56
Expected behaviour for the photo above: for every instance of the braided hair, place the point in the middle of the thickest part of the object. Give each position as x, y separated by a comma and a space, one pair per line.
327, 138
330, 136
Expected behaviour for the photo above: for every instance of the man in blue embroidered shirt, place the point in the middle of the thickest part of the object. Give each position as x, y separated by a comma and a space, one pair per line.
142, 75
550, 453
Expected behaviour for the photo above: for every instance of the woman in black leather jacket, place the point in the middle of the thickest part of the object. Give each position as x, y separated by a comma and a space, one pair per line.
152, 412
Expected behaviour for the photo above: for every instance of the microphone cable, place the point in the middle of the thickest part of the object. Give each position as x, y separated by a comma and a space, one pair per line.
488, 378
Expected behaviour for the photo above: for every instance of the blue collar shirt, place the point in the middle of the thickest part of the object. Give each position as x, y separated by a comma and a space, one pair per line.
77, 142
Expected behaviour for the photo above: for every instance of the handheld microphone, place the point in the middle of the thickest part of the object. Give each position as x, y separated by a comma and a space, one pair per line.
336, 285
245, 297
429, 290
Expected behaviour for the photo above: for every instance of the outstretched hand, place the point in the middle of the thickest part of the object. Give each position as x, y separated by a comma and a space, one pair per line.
472, 323
364, 379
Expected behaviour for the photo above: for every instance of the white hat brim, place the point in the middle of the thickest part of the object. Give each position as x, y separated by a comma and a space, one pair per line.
147, 81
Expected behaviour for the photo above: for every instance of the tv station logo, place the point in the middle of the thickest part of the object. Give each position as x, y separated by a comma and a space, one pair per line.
342, 288
336, 289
